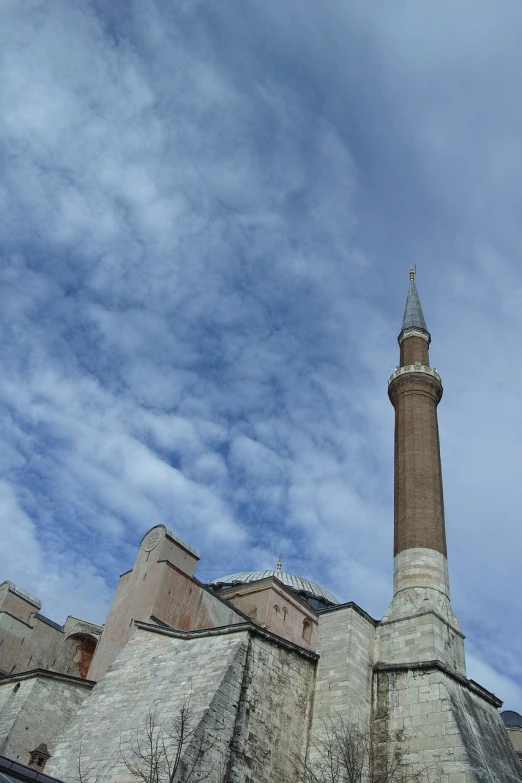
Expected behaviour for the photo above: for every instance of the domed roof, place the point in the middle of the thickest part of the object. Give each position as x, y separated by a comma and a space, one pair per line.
511, 719
296, 583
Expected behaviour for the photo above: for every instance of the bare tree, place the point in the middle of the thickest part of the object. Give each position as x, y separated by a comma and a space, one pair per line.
171, 754
177, 753
354, 752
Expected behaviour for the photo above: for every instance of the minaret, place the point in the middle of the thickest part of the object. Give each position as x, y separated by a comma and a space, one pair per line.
420, 581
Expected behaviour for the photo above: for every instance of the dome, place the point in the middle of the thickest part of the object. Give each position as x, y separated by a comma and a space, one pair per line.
303, 587
512, 719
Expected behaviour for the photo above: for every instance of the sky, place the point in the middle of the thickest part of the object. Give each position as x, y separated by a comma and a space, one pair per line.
208, 212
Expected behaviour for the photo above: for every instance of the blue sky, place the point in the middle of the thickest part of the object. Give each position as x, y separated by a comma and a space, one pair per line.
208, 211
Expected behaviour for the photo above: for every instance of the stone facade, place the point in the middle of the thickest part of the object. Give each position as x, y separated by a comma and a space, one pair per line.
451, 726
28, 640
277, 608
344, 670
160, 585
249, 699
420, 624
257, 700
34, 709
515, 736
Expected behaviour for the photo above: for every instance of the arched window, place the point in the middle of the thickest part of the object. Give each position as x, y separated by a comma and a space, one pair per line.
276, 609
285, 612
307, 630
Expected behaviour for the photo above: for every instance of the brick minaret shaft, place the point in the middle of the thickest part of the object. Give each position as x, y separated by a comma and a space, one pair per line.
415, 390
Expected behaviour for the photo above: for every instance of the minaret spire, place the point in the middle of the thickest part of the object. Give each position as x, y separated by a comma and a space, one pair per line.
413, 316
421, 583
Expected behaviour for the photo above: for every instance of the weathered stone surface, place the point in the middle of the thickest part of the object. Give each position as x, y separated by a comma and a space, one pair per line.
28, 640
452, 729
344, 672
250, 700
159, 585
273, 605
35, 709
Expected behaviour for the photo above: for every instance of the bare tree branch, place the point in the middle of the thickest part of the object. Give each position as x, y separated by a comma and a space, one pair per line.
355, 752
171, 754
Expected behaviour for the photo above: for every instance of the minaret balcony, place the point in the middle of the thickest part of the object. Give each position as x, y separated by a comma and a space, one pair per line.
415, 368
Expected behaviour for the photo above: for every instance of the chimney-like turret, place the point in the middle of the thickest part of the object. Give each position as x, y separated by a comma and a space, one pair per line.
420, 582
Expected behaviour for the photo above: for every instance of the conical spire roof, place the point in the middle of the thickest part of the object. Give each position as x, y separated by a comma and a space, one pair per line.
413, 316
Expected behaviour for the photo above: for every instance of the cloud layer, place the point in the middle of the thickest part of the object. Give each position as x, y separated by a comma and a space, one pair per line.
207, 216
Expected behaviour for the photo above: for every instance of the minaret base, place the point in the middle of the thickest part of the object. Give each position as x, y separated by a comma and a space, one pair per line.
419, 624
450, 725
421, 582
425, 636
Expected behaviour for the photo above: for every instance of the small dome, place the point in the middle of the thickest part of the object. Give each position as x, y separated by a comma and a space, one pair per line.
512, 719
296, 583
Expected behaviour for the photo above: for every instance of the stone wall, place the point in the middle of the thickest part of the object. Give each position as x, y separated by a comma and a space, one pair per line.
344, 672
515, 736
425, 636
158, 588
274, 606
31, 641
34, 709
274, 716
249, 701
452, 730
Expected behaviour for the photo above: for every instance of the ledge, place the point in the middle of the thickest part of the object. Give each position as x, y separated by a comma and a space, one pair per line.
224, 630
12, 588
350, 605
471, 685
49, 675
399, 619
414, 368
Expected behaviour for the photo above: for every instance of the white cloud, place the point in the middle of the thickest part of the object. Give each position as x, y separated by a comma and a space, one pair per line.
207, 219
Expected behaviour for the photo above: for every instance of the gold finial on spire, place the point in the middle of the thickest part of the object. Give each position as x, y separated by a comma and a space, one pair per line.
412, 273
279, 565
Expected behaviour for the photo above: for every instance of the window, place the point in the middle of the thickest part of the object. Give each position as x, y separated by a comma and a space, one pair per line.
307, 630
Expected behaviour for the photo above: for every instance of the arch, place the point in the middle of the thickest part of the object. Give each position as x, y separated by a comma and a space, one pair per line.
307, 631
78, 652
276, 609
